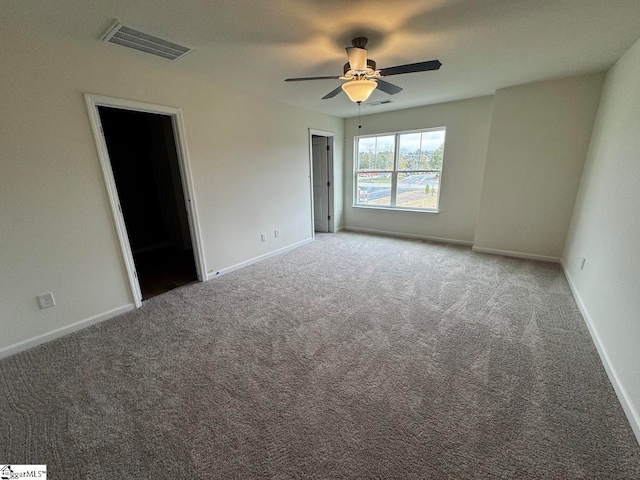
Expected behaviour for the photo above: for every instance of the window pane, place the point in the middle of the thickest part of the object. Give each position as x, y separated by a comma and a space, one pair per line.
373, 189
376, 153
409, 151
385, 152
422, 150
433, 149
366, 153
418, 190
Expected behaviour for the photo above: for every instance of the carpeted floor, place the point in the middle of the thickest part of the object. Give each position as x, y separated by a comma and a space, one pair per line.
352, 357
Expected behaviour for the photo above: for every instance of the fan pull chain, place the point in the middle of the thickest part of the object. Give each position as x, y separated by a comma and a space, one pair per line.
359, 124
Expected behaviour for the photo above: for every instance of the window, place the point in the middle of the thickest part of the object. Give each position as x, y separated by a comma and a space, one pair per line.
400, 170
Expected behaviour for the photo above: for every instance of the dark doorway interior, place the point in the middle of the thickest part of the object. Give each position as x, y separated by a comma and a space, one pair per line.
145, 166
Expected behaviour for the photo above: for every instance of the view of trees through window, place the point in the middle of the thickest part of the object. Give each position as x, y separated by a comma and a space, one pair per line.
400, 170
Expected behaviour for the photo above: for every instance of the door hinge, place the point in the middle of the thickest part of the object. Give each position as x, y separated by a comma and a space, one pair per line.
328, 184
329, 217
328, 148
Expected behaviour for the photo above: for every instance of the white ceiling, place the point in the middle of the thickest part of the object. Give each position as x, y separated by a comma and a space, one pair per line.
256, 44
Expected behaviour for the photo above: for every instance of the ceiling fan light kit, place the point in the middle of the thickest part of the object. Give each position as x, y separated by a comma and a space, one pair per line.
362, 76
359, 90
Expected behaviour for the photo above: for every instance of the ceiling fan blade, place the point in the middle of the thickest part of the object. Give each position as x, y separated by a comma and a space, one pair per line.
333, 93
387, 87
411, 67
300, 79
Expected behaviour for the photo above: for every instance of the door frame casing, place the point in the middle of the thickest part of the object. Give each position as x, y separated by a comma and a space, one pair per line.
93, 102
329, 135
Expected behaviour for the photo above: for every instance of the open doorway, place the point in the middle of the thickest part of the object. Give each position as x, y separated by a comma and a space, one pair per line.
322, 180
144, 161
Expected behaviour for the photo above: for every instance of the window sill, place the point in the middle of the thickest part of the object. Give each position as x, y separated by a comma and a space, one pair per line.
398, 209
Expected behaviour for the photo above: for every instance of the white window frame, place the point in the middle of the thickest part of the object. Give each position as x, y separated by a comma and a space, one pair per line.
395, 171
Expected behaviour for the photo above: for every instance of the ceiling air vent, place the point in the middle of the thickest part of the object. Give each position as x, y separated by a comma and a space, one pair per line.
128, 37
381, 102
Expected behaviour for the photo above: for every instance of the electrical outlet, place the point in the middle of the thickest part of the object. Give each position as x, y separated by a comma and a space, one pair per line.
46, 300
582, 263
276, 233
263, 237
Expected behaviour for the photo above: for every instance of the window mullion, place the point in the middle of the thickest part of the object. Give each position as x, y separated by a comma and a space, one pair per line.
356, 163
394, 176
394, 184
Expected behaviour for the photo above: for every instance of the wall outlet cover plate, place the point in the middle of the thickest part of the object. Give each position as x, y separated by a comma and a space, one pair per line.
46, 300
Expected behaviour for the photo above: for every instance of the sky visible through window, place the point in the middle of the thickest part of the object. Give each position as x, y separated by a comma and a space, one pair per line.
428, 141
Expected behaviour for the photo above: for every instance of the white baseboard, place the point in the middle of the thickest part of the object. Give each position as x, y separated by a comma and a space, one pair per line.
507, 253
246, 263
632, 415
407, 235
61, 332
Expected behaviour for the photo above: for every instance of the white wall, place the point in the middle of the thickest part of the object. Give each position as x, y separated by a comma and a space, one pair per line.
467, 125
249, 158
538, 143
605, 229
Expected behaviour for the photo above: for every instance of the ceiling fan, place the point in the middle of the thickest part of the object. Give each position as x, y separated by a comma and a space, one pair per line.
362, 76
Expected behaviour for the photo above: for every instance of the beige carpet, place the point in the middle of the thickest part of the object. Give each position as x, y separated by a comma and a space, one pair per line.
352, 357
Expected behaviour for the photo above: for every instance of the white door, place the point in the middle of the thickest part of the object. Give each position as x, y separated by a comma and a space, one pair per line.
320, 155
